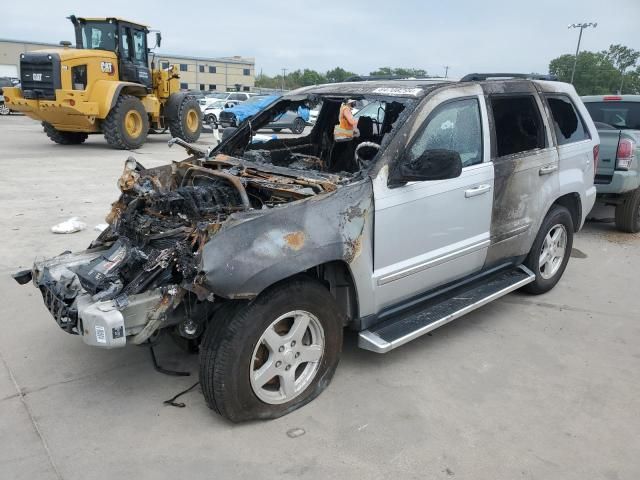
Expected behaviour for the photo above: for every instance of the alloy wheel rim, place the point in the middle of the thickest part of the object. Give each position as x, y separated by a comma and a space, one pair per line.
553, 251
287, 357
192, 120
4, 110
133, 123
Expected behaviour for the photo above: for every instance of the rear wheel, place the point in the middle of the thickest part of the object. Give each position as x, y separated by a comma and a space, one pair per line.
63, 138
127, 124
298, 126
551, 249
273, 355
187, 124
628, 212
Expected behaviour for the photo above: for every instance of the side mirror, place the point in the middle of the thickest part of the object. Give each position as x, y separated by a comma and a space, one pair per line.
438, 164
158, 39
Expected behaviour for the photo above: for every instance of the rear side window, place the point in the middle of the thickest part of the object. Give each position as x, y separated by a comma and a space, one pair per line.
622, 115
518, 124
567, 123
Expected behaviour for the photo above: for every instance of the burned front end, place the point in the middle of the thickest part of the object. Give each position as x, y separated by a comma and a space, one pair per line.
145, 272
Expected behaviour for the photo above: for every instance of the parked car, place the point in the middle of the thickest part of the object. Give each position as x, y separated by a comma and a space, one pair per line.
5, 82
294, 120
617, 118
260, 254
235, 97
211, 113
234, 116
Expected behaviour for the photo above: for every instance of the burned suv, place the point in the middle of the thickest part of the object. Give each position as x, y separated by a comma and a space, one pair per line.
260, 251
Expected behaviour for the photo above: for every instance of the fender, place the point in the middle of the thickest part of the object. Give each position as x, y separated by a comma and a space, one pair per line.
260, 248
106, 92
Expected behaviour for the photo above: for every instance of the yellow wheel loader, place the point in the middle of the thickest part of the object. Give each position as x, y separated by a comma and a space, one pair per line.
103, 85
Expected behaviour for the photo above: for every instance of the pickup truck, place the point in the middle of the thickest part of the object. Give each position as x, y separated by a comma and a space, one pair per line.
617, 118
260, 254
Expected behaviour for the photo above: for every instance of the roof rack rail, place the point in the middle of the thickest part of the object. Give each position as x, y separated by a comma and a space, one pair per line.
477, 77
371, 78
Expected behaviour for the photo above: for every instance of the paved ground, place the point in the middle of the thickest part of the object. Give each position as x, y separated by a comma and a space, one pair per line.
528, 387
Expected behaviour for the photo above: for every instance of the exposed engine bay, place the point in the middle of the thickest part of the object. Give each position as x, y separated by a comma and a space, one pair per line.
145, 272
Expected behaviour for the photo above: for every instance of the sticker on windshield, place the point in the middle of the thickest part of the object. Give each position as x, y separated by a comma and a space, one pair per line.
397, 91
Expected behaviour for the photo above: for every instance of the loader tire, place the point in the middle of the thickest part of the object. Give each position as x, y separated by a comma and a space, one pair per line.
187, 124
63, 138
127, 124
628, 212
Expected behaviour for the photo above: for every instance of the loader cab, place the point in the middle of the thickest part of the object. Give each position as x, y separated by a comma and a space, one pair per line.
127, 40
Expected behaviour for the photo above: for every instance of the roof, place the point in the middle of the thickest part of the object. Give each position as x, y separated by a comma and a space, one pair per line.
388, 88
102, 19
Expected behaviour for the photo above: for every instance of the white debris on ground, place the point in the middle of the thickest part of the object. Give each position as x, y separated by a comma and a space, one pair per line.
101, 227
72, 225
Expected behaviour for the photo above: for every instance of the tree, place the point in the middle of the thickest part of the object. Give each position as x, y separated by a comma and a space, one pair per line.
338, 74
403, 72
599, 73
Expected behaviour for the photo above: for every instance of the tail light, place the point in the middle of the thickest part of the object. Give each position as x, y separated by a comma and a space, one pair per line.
596, 158
624, 155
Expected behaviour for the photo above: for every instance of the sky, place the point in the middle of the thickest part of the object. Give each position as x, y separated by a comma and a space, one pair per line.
466, 35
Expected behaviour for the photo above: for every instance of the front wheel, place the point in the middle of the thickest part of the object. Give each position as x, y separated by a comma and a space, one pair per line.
127, 124
273, 355
212, 120
4, 110
551, 250
628, 212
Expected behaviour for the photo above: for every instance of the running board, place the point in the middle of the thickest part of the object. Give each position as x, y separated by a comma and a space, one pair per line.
435, 312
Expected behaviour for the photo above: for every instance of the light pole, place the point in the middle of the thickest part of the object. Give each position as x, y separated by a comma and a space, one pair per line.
581, 26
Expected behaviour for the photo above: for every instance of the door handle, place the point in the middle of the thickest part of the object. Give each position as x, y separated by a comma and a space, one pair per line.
477, 190
547, 169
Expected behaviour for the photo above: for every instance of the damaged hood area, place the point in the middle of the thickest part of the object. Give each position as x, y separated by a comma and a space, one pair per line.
221, 226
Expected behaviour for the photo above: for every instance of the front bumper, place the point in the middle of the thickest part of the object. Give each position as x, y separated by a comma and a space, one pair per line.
105, 324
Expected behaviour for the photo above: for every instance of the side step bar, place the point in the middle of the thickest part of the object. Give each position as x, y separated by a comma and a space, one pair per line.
435, 312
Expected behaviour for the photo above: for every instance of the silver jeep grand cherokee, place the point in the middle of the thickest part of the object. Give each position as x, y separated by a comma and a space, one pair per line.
262, 250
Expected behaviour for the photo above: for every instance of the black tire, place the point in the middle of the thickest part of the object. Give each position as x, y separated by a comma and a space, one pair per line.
212, 120
628, 212
227, 350
298, 126
179, 125
114, 129
63, 138
558, 215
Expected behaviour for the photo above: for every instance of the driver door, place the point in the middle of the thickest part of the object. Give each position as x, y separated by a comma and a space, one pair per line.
429, 233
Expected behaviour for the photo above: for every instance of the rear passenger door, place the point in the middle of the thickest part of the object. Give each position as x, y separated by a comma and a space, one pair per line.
526, 169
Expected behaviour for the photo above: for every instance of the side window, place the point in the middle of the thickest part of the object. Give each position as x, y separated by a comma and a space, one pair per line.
567, 123
237, 96
124, 43
453, 126
518, 124
139, 47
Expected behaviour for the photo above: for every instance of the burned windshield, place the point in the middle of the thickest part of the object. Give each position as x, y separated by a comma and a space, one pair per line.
287, 134
97, 36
